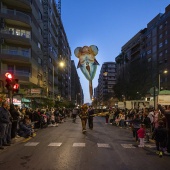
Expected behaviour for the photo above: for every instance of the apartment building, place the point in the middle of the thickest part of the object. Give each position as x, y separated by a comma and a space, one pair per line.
77, 96
33, 41
106, 82
143, 59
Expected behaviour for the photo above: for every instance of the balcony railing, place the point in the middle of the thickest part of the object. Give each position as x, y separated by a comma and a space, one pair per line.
22, 73
16, 13
19, 52
8, 31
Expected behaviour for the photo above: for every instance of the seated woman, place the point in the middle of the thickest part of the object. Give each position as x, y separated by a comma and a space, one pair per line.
26, 129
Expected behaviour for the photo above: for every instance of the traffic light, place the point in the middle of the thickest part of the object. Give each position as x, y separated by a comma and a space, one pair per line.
9, 81
15, 86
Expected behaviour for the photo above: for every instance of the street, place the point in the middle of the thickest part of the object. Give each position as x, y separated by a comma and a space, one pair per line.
66, 148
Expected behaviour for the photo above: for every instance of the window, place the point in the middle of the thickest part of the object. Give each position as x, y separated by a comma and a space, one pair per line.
166, 41
39, 61
10, 68
50, 59
160, 54
149, 52
39, 45
40, 31
160, 27
149, 59
11, 31
160, 45
18, 32
149, 35
160, 36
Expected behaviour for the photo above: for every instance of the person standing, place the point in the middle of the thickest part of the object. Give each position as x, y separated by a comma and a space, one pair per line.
15, 115
160, 136
136, 126
4, 121
141, 135
83, 116
90, 117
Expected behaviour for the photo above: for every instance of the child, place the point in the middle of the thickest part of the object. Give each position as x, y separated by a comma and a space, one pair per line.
141, 135
160, 136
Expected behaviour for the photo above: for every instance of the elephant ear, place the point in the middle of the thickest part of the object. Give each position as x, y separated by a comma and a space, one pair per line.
94, 49
76, 51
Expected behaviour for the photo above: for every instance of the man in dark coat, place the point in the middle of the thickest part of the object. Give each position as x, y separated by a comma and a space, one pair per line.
4, 122
90, 117
15, 115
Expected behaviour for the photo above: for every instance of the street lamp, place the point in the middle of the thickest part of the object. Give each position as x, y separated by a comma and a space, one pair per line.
165, 72
61, 64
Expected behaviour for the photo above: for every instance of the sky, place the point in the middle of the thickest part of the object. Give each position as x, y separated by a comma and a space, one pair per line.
108, 24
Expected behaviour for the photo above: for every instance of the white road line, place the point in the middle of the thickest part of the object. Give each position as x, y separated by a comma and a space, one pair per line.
128, 146
150, 146
103, 145
79, 144
55, 144
32, 144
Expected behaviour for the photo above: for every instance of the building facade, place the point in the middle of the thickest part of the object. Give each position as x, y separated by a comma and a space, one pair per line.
106, 82
143, 59
77, 95
33, 42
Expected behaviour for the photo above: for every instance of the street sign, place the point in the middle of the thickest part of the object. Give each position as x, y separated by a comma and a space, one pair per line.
152, 91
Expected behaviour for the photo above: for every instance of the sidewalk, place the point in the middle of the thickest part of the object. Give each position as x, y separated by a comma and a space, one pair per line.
16, 141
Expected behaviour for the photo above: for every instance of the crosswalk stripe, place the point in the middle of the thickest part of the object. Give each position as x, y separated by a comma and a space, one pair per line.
79, 144
55, 144
103, 145
128, 146
31, 144
150, 146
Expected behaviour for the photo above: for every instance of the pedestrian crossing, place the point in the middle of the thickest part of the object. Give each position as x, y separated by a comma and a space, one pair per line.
99, 145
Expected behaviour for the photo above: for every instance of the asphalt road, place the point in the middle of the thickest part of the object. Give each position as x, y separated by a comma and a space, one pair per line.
106, 147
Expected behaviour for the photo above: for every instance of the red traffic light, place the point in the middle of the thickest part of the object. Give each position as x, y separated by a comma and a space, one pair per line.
16, 86
8, 75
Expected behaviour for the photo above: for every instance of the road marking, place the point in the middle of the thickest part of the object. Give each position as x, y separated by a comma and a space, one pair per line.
79, 144
103, 145
150, 146
55, 144
32, 144
128, 146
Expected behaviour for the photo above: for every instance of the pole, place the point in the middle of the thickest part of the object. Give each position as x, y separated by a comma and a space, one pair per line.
159, 81
53, 84
154, 97
10, 96
76, 99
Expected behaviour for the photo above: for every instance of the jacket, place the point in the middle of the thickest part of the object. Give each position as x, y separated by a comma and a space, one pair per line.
141, 133
4, 115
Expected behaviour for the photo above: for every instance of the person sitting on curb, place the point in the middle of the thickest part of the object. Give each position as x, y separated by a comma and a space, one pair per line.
26, 129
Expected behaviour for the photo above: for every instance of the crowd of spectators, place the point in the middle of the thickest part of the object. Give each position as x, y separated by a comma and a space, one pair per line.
146, 124
18, 122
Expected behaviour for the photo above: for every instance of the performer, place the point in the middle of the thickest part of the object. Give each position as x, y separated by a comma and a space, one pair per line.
83, 116
90, 117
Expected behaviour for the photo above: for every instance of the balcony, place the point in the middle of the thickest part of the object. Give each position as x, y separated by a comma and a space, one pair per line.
13, 17
16, 55
15, 36
21, 4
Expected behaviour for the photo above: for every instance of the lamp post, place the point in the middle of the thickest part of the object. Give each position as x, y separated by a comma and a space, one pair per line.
61, 64
165, 72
